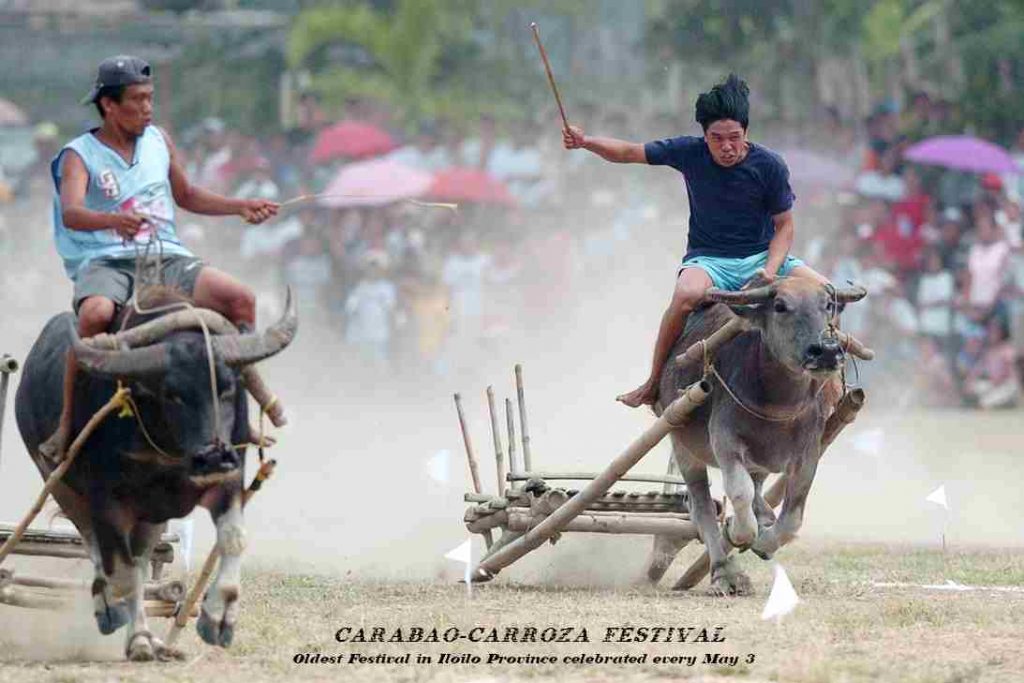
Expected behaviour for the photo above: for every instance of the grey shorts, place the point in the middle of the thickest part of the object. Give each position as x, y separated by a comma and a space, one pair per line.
114, 279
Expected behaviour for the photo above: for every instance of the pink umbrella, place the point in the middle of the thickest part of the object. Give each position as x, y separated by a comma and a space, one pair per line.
470, 185
374, 183
351, 139
812, 168
962, 152
11, 114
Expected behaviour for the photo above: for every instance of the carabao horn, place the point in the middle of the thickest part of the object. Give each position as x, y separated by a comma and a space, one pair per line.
846, 295
743, 297
155, 330
247, 349
149, 360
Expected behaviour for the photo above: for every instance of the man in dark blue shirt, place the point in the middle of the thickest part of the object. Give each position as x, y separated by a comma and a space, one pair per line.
741, 220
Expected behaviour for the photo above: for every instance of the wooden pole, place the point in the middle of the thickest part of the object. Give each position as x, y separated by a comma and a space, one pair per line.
844, 414
499, 451
188, 608
674, 415
7, 366
588, 476
510, 420
474, 470
696, 352
115, 403
521, 394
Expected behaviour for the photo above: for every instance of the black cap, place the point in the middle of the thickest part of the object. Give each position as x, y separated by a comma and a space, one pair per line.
119, 70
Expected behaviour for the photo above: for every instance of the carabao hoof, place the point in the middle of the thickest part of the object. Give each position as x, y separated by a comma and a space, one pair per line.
727, 580
214, 632
112, 617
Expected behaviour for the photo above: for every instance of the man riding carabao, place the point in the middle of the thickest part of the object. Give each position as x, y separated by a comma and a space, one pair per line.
117, 187
741, 219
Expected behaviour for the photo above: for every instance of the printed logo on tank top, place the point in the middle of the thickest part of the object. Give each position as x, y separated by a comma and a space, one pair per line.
108, 183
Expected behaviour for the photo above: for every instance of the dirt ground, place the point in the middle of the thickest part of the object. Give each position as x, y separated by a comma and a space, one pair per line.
846, 628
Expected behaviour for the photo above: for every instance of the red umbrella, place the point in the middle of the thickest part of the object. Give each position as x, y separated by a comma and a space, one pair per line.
374, 183
352, 140
469, 185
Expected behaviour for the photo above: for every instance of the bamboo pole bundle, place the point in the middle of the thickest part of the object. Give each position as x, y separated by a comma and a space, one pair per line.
673, 415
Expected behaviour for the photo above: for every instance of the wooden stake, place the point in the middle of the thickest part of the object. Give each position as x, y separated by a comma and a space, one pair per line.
527, 459
474, 470
511, 437
189, 607
499, 451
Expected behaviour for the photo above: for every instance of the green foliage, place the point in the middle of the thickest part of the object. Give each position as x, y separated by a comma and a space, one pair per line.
424, 58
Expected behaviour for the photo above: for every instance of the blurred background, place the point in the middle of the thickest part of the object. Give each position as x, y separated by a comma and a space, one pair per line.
901, 122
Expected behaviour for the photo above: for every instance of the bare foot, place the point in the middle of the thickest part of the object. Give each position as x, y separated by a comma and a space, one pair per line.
645, 394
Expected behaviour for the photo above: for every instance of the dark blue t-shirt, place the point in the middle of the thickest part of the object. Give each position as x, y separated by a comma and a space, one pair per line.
731, 208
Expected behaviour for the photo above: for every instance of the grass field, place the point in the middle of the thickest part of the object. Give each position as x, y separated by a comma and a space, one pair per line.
845, 629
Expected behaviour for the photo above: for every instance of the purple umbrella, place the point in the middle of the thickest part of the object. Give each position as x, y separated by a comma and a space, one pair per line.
962, 152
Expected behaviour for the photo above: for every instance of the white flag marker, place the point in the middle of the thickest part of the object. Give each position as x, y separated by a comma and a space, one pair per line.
938, 496
464, 554
437, 466
783, 599
186, 534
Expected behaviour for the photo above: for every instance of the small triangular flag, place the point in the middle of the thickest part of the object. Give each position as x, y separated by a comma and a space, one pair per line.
437, 466
186, 534
938, 496
464, 554
782, 599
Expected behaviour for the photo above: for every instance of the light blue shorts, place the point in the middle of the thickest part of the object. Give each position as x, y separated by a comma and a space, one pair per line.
732, 273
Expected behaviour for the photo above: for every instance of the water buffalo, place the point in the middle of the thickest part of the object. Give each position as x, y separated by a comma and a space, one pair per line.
126, 484
776, 384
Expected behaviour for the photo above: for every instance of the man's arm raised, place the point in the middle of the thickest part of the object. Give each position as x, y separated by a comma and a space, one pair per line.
610, 149
198, 200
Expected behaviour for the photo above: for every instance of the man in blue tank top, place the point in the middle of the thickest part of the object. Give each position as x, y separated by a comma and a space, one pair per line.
741, 220
117, 187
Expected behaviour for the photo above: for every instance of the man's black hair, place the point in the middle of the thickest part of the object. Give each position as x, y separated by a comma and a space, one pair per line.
727, 100
114, 92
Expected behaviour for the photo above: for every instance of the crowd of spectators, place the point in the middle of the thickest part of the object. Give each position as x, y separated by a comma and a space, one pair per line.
940, 251
413, 284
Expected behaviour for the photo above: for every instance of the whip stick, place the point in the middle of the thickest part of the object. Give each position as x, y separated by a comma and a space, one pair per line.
551, 77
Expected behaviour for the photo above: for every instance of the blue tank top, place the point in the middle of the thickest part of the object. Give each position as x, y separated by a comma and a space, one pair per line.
116, 186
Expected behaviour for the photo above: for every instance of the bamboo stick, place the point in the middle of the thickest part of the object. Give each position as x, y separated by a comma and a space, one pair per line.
189, 608
510, 420
695, 352
474, 470
115, 403
844, 414
673, 415
521, 394
499, 454
588, 476
7, 366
